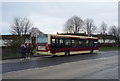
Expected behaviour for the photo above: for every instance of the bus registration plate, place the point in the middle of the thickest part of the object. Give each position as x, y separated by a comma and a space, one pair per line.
41, 47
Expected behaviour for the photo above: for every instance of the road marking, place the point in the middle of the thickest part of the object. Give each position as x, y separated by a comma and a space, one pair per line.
101, 52
18, 60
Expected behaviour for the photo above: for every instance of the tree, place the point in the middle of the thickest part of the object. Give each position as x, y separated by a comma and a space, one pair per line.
113, 31
34, 31
73, 25
103, 28
21, 26
89, 26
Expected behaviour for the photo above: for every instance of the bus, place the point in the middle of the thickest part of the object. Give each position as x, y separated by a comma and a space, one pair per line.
51, 44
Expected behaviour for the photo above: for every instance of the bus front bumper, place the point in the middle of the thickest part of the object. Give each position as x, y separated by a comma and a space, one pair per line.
44, 53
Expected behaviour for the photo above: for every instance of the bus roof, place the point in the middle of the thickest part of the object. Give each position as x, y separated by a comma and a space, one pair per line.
73, 36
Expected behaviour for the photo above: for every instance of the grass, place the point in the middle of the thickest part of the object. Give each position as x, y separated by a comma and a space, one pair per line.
108, 48
8, 56
12, 56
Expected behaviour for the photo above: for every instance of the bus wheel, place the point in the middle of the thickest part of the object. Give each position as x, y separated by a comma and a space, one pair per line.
91, 51
53, 55
67, 53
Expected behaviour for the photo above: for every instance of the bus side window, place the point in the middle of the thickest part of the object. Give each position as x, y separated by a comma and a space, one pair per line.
83, 43
76, 42
73, 43
80, 43
61, 43
91, 43
67, 42
56, 42
53, 42
95, 43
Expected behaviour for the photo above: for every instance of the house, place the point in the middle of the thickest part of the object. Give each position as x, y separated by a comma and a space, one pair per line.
7, 39
10, 43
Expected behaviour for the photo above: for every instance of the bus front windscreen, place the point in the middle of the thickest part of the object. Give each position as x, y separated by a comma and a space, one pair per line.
42, 38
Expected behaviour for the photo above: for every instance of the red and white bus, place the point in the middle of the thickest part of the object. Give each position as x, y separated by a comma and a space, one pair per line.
48, 44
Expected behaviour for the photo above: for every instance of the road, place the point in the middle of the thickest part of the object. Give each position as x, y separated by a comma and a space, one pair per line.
101, 65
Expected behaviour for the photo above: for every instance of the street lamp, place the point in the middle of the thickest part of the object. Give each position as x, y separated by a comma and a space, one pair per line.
21, 38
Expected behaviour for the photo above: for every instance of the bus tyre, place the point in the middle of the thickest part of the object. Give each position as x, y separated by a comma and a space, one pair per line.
67, 53
53, 55
91, 51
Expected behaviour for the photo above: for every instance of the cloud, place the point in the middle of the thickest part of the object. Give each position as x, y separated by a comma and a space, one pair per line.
50, 17
47, 24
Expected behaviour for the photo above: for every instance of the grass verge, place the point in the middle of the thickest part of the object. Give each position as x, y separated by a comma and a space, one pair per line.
108, 48
10, 56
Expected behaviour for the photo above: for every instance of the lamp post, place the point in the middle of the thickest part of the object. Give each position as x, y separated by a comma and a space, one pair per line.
21, 38
30, 38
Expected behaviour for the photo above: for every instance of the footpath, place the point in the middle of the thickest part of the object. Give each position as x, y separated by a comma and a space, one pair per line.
18, 60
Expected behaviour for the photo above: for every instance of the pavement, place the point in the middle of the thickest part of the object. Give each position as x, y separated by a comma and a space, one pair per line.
102, 65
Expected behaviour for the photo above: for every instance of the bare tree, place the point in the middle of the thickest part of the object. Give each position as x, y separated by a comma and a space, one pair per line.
89, 26
16, 28
73, 25
27, 25
34, 31
103, 28
21, 26
113, 30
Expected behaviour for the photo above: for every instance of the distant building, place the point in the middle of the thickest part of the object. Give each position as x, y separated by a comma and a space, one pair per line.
6, 39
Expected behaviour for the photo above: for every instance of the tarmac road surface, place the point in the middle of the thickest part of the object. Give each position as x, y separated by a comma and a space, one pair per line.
101, 65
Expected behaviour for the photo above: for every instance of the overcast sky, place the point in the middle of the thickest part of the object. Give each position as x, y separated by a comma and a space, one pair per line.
50, 17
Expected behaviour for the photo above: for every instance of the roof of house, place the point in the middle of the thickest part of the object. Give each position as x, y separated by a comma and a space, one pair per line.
14, 36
